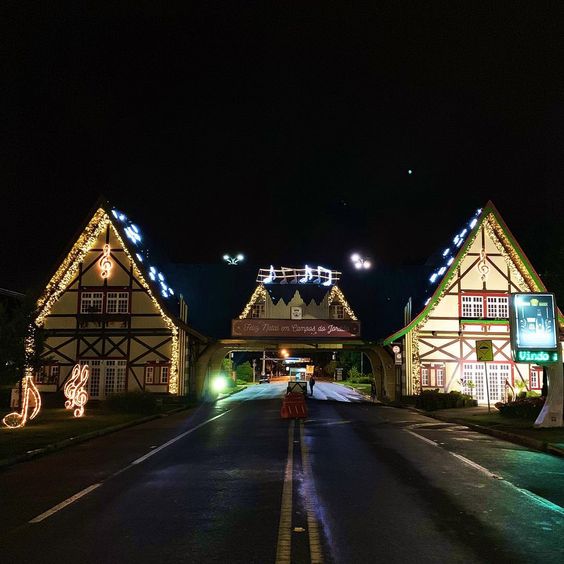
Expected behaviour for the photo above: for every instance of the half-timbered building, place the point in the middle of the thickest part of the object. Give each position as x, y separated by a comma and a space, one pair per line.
107, 305
297, 303
468, 300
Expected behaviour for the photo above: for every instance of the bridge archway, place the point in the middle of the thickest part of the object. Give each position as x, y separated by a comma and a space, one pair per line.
210, 360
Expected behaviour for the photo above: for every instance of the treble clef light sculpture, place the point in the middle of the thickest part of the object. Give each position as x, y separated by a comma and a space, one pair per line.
483, 265
105, 263
31, 399
75, 389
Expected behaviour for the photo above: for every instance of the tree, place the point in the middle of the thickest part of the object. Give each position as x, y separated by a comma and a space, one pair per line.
348, 360
245, 372
16, 318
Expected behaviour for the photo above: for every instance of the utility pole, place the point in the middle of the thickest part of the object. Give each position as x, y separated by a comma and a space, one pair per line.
254, 369
263, 371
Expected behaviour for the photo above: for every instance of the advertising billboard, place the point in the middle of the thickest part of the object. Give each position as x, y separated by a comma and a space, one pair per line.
534, 328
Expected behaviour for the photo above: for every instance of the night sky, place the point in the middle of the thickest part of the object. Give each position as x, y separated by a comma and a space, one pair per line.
283, 130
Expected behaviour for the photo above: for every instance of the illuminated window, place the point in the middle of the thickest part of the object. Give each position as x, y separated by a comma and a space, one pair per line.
337, 311
91, 302
149, 374
536, 378
117, 302
164, 374
484, 306
497, 307
475, 380
257, 310
440, 376
472, 306
106, 377
94, 379
424, 376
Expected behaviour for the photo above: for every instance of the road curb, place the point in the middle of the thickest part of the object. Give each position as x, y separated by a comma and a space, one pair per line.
53, 447
536, 444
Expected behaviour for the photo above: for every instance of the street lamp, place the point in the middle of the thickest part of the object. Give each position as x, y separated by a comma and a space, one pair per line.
233, 260
360, 262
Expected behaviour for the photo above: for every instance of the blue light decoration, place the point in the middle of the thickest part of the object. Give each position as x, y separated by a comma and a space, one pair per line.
449, 253
308, 275
133, 233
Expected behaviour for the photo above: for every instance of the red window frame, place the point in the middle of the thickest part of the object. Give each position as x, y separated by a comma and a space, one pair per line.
157, 367
484, 296
432, 368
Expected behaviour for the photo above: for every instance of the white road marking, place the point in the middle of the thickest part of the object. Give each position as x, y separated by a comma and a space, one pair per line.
177, 438
315, 552
425, 439
284, 546
87, 490
63, 504
476, 466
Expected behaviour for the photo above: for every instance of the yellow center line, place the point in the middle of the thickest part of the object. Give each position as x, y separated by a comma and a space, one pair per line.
316, 553
284, 546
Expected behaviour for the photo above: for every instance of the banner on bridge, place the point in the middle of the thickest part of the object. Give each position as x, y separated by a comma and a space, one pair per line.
303, 328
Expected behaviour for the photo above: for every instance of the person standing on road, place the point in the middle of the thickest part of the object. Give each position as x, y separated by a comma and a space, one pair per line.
311, 384
373, 391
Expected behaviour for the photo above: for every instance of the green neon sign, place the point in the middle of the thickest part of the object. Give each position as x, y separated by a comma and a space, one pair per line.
538, 357
534, 328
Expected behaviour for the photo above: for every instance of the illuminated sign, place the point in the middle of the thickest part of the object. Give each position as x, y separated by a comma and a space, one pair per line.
537, 357
307, 275
534, 331
303, 328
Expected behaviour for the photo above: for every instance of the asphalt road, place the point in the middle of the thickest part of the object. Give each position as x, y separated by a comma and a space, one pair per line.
232, 482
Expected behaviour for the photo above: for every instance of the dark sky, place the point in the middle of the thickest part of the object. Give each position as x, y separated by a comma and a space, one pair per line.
284, 130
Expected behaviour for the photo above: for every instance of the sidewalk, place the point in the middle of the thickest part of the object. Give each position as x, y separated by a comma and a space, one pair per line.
518, 431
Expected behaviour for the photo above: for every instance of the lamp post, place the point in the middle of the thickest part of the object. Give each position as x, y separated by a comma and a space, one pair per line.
233, 261
360, 263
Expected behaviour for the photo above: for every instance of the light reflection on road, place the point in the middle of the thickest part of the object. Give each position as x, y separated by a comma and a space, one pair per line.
322, 391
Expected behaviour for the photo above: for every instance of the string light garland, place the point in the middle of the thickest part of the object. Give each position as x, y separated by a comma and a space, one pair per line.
259, 293
337, 294
75, 390
68, 270
520, 276
31, 398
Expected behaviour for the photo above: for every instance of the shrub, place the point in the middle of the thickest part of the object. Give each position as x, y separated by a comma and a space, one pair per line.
133, 402
430, 400
364, 379
522, 408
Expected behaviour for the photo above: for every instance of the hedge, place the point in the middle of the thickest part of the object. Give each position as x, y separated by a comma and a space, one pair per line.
430, 400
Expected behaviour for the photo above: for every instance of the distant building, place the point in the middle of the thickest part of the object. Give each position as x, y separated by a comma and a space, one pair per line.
109, 306
297, 303
468, 300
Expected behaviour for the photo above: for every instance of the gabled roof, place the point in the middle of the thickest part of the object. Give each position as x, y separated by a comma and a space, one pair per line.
442, 275
129, 235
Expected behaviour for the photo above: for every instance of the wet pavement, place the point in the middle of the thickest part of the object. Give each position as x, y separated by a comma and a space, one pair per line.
232, 482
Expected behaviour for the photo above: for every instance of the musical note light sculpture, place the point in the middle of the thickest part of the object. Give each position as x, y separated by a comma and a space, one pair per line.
105, 263
75, 389
31, 399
